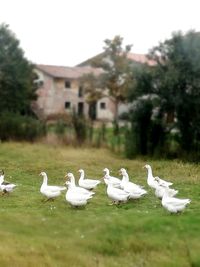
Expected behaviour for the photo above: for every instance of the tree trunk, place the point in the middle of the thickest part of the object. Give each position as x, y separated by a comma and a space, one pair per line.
116, 108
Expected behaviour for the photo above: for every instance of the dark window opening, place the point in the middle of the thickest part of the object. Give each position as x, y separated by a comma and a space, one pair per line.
67, 105
92, 112
80, 91
102, 105
80, 108
67, 84
40, 83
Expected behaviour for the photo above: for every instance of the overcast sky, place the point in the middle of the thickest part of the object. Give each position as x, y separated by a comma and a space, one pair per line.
67, 32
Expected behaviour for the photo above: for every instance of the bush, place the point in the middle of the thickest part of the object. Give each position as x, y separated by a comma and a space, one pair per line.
130, 143
18, 127
60, 127
80, 128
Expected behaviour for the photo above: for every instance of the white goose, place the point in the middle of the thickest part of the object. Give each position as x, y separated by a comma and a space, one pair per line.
117, 195
125, 180
78, 189
2, 175
172, 204
87, 183
116, 182
160, 190
5, 187
50, 191
152, 181
74, 197
163, 182
133, 189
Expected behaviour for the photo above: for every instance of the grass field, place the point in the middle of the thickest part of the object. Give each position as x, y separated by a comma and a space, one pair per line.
136, 234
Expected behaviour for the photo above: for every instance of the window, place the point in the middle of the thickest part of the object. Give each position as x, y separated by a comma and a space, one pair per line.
67, 105
80, 91
80, 108
102, 105
40, 83
67, 84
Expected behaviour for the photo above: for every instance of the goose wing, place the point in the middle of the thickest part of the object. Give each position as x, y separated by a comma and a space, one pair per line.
5, 183
8, 187
91, 182
54, 188
172, 192
177, 202
132, 186
75, 196
82, 190
115, 181
162, 182
119, 192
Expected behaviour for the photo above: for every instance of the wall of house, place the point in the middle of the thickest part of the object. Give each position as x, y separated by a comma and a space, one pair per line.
54, 97
105, 109
108, 112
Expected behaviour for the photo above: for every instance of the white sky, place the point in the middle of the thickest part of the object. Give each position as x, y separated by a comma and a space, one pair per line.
67, 32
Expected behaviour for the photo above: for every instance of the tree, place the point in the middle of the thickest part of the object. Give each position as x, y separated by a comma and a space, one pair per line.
91, 85
16, 75
177, 81
146, 132
172, 87
116, 70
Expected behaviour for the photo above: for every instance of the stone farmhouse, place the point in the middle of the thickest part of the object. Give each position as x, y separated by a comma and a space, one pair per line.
60, 91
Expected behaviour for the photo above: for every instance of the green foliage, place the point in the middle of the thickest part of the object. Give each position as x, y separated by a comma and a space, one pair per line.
113, 78
130, 144
91, 85
172, 87
116, 66
80, 127
16, 75
177, 82
146, 125
60, 127
146, 133
92, 92
18, 127
142, 82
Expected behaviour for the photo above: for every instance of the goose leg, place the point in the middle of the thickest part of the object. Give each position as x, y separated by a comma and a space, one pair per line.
4, 193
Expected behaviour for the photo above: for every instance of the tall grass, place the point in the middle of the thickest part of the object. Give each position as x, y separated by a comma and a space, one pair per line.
138, 233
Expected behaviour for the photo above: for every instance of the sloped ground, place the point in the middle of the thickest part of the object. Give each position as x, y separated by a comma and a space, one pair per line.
138, 233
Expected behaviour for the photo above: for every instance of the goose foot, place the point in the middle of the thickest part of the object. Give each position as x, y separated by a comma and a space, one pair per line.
113, 203
5, 193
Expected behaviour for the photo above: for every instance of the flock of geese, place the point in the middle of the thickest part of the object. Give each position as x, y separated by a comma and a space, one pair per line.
118, 190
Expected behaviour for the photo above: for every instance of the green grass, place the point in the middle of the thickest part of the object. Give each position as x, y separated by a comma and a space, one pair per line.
138, 233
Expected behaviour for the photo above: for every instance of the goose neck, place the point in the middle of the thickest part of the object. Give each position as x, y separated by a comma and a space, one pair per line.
165, 195
1, 179
109, 187
125, 177
70, 186
107, 172
150, 174
81, 176
72, 180
45, 180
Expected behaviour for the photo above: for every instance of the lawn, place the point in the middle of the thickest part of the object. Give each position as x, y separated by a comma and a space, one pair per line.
136, 234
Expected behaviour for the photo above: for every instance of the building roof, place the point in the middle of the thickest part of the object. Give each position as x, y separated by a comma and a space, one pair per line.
138, 58
141, 58
85, 68
67, 72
